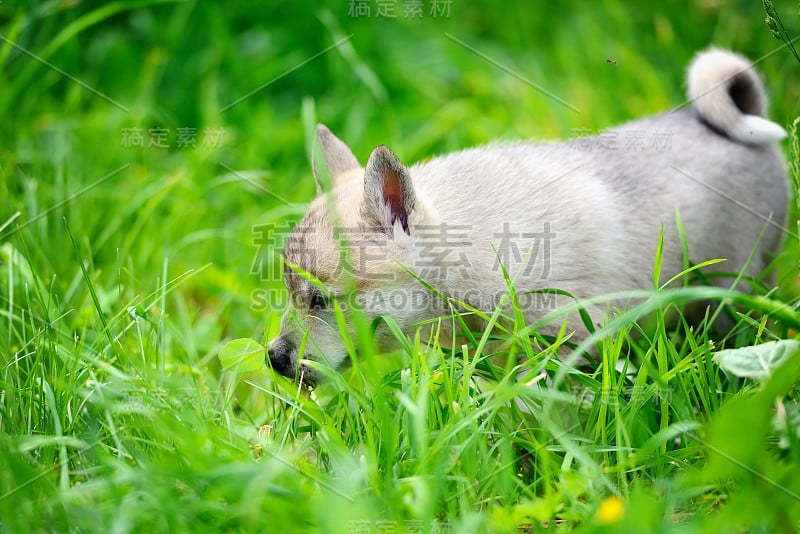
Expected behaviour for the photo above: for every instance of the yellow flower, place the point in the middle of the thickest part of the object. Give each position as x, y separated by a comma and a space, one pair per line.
610, 510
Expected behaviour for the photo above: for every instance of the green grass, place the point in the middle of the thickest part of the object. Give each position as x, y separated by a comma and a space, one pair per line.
124, 270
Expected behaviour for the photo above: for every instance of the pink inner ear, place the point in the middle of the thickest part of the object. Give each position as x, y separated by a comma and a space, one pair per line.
394, 198
392, 194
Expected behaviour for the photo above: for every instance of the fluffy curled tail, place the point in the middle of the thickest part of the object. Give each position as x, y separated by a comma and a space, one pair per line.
729, 95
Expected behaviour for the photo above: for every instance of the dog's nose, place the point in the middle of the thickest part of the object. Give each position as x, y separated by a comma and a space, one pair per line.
280, 356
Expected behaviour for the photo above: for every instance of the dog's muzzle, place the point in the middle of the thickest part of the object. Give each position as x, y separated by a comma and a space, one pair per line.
283, 357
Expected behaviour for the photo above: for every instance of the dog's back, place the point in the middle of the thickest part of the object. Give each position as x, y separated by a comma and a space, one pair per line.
604, 199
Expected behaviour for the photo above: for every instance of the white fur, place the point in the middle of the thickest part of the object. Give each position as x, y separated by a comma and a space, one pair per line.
755, 130
712, 75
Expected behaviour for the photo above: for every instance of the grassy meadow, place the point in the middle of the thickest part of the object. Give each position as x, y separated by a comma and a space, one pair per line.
150, 154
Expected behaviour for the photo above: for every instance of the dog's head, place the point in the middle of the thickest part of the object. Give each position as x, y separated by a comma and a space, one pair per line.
349, 252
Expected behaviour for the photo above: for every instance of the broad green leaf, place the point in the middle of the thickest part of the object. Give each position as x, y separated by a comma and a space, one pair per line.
242, 355
759, 361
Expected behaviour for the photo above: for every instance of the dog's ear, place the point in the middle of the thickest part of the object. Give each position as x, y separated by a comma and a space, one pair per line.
339, 159
388, 192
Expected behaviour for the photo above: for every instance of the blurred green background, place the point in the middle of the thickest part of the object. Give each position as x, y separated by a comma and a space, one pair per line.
94, 226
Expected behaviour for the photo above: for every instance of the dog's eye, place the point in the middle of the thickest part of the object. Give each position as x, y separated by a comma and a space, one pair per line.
318, 302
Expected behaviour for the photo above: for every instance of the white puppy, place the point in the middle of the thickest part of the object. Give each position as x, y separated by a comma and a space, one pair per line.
582, 216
